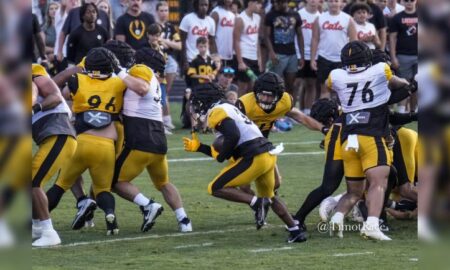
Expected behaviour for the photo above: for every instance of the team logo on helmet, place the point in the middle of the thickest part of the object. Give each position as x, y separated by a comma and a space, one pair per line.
356, 56
268, 90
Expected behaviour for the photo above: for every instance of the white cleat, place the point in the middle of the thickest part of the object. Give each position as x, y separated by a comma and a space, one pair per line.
355, 214
36, 232
336, 227
48, 238
185, 225
326, 208
373, 232
6, 236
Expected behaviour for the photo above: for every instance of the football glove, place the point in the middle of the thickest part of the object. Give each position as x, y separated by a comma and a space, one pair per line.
191, 145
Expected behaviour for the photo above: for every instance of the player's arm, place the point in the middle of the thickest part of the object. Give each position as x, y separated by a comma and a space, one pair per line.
306, 120
402, 93
61, 78
231, 136
397, 83
400, 119
49, 91
137, 85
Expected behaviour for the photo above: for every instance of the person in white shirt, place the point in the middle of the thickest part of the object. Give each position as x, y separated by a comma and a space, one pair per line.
224, 19
306, 76
193, 26
365, 31
392, 8
331, 31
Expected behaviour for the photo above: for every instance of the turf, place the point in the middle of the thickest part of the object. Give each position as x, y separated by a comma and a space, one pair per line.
224, 233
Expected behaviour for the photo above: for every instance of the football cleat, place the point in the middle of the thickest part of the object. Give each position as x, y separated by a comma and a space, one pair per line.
111, 225
185, 225
326, 208
86, 208
90, 221
336, 227
373, 232
297, 223
48, 238
296, 236
150, 212
260, 211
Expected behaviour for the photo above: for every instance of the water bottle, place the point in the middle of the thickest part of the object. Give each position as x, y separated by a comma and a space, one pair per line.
251, 74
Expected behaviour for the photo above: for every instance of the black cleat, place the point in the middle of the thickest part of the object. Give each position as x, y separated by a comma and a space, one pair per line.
296, 236
260, 211
111, 225
86, 208
150, 212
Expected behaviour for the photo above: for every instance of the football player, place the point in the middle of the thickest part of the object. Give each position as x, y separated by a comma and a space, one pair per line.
364, 95
146, 145
55, 136
97, 97
253, 157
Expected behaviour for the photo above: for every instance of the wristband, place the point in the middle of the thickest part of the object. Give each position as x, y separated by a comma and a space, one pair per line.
325, 130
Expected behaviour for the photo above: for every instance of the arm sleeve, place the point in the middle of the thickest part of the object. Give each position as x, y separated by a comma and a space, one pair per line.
72, 84
402, 93
205, 149
231, 138
399, 119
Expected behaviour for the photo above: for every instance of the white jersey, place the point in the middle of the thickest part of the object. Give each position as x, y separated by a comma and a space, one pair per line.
249, 36
365, 30
247, 129
148, 106
362, 90
307, 25
195, 28
398, 8
224, 33
333, 35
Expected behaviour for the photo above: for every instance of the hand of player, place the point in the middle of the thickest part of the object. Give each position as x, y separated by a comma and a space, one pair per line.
191, 145
313, 64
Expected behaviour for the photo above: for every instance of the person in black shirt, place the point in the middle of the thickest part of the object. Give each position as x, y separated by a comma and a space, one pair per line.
132, 26
282, 27
87, 36
377, 18
202, 69
72, 22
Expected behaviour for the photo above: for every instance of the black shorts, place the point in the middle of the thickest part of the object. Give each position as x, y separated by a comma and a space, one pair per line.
324, 68
306, 71
241, 75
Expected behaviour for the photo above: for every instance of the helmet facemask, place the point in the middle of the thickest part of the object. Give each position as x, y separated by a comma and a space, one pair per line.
266, 100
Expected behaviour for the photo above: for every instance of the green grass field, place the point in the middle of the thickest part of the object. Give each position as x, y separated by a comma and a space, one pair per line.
224, 234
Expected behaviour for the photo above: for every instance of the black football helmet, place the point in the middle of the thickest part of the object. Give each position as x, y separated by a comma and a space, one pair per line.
99, 63
379, 56
325, 111
123, 52
204, 97
356, 56
268, 84
151, 58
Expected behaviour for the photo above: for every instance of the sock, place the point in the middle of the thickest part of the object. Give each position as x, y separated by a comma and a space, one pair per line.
36, 222
401, 109
254, 199
54, 195
46, 224
338, 217
141, 200
180, 214
374, 221
106, 202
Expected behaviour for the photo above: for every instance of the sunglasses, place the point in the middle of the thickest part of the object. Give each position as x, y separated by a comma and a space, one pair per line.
228, 70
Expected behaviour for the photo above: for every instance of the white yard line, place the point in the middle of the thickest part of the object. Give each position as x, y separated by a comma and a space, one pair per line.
282, 154
269, 249
194, 245
285, 143
414, 259
352, 254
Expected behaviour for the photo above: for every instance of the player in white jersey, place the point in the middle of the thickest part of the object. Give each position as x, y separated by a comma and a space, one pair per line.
224, 19
252, 157
146, 145
331, 31
246, 45
363, 91
306, 76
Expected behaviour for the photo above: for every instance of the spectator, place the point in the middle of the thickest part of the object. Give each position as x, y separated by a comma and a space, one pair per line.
331, 31
132, 26
171, 42
236, 7
365, 31
118, 7
231, 97
194, 25
202, 69
225, 79
87, 36
60, 17
106, 7
72, 22
282, 28
154, 32
217, 60
50, 31
376, 17
392, 8
308, 89
224, 19
403, 43
246, 45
